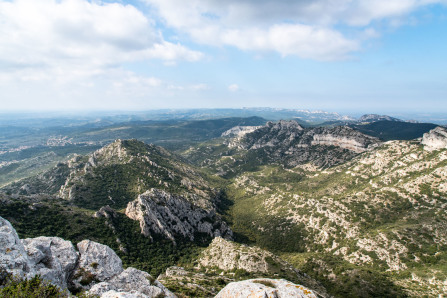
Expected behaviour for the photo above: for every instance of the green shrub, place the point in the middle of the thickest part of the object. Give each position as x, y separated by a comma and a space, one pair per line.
35, 287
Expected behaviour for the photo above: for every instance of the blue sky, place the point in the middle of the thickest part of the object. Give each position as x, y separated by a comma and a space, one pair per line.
349, 56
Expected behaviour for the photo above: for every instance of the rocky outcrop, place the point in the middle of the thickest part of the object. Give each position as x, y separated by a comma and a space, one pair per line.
227, 255
13, 257
282, 133
52, 258
261, 288
130, 280
95, 266
342, 137
239, 131
97, 262
435, 139
230, 256
105, 212
162, 213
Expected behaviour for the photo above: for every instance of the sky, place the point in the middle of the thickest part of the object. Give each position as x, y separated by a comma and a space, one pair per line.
363, 56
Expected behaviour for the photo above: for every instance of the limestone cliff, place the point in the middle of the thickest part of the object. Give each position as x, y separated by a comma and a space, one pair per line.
287, 135
435, 138
160, 212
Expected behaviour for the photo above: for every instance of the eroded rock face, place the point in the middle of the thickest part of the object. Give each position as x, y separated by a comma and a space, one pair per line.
53, 258
435, 139
289, 134
97, 263
162, 213
288, 143
13, 257
130, 280
261, 288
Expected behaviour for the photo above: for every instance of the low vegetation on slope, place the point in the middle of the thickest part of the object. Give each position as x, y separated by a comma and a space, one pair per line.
379, 219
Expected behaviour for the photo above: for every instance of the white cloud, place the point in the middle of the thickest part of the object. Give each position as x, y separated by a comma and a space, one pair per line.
233, 87
68, 39
200, 87
307, 29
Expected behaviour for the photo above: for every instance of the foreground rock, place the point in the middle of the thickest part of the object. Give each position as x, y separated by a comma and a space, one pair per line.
98, 262
95, 266
435, 139
130, 280
53, 258
261, 288
13, 257
160, 212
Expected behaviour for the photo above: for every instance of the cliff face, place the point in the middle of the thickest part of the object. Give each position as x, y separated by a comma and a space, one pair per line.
289, 143
435, 138
286, 135
162, 213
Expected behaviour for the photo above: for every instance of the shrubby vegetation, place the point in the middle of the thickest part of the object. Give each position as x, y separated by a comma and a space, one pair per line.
35, 287
74, 224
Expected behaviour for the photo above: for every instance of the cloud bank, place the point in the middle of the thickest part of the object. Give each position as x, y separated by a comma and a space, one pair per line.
307, 29
74, 38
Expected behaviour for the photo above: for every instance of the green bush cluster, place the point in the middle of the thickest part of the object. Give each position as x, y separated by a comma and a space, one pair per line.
35, 287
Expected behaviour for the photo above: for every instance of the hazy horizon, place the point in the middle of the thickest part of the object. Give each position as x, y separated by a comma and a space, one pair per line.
439, 118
